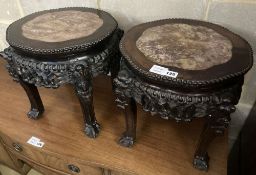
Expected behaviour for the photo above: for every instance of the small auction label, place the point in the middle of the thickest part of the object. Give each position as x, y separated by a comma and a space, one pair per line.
35, 142
163, 71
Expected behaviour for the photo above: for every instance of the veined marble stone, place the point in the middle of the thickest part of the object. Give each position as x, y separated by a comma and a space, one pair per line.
185, 46
61, 26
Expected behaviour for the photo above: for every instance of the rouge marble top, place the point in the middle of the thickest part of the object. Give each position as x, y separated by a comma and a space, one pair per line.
61, 31
61, 26
191, 53
189, 47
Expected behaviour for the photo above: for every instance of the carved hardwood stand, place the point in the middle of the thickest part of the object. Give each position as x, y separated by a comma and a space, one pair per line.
75, 64
216, 107
177, 98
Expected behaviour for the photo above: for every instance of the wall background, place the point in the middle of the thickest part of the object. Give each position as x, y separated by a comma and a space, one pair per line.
237, 15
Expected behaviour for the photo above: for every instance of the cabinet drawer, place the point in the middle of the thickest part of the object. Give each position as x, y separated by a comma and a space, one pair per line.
5, 158
24, 163
39, 156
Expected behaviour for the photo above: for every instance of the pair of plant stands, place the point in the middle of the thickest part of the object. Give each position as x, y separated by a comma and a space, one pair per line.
177, 68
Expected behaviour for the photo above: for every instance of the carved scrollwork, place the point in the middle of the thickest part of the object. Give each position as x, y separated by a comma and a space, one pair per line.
172, 104
76, 69
215, 104
50, 75
82, 80
53, 74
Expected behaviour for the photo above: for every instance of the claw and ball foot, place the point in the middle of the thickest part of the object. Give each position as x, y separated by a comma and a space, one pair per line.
37, 107
35, 113
93, 130
126, 141
201, 162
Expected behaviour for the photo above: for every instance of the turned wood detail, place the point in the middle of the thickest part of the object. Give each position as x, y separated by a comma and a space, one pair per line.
216, 107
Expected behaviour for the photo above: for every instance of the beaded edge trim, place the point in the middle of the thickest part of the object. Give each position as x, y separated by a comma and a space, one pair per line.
63, 50
178, 81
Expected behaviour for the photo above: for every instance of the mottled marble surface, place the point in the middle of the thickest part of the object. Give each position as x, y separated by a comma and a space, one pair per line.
185, 46
61, 26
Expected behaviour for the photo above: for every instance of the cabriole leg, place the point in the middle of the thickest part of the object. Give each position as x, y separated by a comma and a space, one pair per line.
83, 88
130, 110
215, 125
37, 107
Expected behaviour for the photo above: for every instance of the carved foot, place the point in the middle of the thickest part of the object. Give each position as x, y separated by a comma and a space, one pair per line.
201, 162
34, 114
93, 130
126, 141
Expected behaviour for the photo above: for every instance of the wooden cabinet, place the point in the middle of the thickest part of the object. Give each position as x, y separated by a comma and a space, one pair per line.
5, 158
53, 168
164, 148
35, 157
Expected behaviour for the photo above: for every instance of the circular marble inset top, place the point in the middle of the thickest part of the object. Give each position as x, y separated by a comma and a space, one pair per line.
61, 26
62, 31
178, 52
185, 46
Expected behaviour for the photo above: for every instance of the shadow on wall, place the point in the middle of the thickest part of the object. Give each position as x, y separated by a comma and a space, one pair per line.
124, 21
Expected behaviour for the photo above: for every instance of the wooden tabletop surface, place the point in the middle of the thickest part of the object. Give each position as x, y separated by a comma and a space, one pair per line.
163, 147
